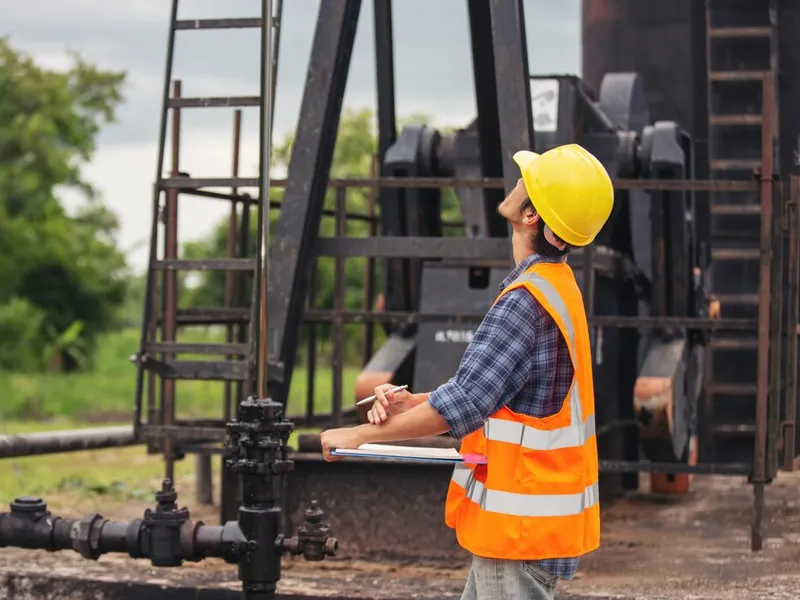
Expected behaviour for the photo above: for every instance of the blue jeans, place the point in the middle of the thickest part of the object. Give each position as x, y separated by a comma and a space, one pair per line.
491, 579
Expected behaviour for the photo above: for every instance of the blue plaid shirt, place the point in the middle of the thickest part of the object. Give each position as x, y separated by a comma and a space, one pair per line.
510, 360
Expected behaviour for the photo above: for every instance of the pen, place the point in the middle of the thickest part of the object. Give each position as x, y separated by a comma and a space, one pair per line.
372, 398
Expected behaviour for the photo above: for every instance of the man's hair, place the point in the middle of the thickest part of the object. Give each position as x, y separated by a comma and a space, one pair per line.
540, 244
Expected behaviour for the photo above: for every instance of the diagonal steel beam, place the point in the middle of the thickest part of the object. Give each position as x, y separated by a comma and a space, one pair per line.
513, 83
486, 100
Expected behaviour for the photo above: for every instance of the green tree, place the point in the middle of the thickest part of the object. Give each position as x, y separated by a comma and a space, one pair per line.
63, 268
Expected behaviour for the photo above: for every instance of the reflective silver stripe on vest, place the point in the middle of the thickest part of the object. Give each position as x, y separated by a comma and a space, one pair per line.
524, 505
461, 475
513, 432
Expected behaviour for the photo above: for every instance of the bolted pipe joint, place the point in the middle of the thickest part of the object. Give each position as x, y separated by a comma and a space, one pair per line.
85, 536
313, 540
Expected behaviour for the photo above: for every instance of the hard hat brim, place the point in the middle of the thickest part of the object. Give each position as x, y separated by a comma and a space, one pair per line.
524, 158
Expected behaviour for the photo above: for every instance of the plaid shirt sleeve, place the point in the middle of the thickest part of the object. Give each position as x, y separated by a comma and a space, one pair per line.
495, 365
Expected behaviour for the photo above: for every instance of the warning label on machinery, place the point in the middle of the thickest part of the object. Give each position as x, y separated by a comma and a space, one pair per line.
544, 99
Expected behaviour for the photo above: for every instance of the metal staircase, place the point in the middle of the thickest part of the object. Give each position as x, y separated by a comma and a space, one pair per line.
741, 47
163, 359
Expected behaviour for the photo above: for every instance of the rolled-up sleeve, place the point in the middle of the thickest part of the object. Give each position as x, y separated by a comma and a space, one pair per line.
494, 367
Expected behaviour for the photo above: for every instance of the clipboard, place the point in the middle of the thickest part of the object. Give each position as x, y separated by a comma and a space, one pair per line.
410, 453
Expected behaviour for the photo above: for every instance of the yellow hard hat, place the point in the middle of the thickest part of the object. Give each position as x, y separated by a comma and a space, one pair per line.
570, 189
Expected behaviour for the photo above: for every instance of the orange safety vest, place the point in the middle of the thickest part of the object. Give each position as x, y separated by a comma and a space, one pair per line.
537, 497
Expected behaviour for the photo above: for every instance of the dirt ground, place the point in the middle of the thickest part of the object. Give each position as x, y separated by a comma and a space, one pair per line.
696, 547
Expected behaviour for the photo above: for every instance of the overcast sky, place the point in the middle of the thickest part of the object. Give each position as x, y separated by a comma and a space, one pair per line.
432, 63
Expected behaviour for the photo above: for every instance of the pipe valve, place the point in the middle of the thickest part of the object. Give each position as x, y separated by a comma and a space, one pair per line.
313, 540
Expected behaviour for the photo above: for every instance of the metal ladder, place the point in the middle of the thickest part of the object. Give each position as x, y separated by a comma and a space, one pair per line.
160, 360
741, 48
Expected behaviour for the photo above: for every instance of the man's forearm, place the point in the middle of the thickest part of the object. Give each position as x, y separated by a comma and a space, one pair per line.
418, 399
420, 421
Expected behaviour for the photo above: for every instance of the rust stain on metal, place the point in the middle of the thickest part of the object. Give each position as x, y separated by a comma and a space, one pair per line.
599, 11
652, 401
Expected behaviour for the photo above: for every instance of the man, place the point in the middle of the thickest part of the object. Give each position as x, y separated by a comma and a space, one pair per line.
523, 395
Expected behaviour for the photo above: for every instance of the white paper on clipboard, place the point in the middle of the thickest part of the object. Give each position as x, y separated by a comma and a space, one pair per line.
387, 451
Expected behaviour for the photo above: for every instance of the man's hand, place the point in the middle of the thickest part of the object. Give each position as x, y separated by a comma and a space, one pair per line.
346, 438
389, 403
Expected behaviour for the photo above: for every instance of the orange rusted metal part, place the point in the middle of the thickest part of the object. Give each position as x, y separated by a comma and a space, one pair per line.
675, 483
652, 396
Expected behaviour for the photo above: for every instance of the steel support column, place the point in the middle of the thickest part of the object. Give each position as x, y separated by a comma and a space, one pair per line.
391, 200
486, 100
309, 170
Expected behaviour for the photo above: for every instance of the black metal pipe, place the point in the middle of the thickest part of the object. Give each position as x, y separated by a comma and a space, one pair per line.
114, 535
51, 442
166, 536
256, 444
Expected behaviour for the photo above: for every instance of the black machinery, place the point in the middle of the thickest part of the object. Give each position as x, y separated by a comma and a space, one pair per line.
651, 259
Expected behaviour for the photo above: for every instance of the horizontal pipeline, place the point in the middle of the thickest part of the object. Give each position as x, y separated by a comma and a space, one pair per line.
72, 440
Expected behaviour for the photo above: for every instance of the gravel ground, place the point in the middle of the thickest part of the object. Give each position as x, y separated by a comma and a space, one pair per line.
691, 548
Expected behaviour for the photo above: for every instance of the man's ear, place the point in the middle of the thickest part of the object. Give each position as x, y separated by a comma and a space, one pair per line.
530, 217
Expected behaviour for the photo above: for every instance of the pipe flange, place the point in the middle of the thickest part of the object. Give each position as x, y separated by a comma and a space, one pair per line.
85, 536
188, 533
134, 542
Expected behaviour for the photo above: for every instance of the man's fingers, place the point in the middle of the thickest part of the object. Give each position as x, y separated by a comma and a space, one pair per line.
326, 454
371, 416
380, 412
380, 395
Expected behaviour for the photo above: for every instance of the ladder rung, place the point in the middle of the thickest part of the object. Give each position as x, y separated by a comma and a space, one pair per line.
196, 348
206, 264
735, 253
733, 344
722, 120
737, 75
212, 316
243, 23
739, 32
747, 299
734, 164
216, 102
195, 183
209, 370
732, 389
199, 370
733, 429
735, 209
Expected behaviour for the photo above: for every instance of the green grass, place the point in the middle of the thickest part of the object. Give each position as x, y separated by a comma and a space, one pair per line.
106, 394
77, 482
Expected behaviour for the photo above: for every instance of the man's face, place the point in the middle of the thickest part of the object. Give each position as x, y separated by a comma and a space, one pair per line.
523, 222
509, 208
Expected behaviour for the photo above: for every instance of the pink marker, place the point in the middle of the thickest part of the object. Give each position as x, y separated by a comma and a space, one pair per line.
474, 459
